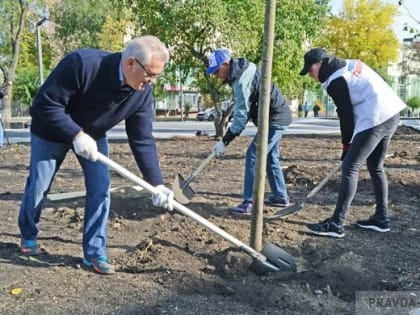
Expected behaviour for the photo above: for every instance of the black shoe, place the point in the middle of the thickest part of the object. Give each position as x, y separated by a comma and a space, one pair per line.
374, 224
245, 208
326, 228
276, 202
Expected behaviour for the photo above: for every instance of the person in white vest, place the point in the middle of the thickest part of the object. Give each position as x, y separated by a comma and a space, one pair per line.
368, 110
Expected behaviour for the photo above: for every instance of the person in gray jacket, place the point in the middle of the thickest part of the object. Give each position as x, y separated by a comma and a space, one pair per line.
244, 77
368, 110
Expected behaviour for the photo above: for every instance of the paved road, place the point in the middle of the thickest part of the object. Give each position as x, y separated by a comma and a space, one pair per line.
189, 128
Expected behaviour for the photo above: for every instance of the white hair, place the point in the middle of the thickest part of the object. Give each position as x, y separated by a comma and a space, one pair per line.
144, 48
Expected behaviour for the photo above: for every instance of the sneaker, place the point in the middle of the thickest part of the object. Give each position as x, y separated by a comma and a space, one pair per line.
29, 248
326, 228
276, 202
99, 265
374, 224
245, 208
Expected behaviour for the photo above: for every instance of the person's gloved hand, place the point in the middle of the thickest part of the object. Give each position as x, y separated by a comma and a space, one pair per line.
346, 147
219, 148
85, 146
164, 198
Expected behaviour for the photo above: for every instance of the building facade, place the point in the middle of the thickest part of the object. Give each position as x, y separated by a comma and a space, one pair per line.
406, 72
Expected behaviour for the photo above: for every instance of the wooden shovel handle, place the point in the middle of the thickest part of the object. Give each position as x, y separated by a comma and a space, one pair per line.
199, 169
181, 208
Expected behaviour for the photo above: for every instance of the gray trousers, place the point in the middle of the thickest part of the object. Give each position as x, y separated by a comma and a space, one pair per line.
370, 145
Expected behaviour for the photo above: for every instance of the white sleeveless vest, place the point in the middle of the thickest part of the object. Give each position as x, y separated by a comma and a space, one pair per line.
373, 100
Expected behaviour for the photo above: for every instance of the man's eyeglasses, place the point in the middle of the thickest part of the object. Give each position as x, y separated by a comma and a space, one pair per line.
148, 74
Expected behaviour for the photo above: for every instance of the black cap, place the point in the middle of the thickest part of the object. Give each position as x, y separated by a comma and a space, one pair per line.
313, 56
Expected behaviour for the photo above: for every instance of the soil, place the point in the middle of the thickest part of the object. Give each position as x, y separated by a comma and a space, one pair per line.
168, 264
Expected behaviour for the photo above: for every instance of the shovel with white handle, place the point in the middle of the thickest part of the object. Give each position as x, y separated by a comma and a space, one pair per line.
271, 258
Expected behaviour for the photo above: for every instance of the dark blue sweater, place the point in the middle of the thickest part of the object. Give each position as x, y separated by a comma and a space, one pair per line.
84, 92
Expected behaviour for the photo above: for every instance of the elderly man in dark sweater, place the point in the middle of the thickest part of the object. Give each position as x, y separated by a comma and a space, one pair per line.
88, 93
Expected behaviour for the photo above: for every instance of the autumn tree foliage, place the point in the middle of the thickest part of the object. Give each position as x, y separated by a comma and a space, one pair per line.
363, 30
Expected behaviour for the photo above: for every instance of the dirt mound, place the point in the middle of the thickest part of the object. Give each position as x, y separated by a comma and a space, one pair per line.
168, 264
406, 130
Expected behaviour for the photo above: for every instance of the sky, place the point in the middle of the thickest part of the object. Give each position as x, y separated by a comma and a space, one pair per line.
402, 17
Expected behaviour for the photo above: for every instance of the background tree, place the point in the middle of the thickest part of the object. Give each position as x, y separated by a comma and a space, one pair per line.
12, 18
363, 30
414, 103
113, 34
79, 23
15, 16
27, 82
295, 24
192, 28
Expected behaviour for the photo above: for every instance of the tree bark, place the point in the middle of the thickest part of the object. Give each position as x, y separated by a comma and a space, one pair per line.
11, 71
262, 133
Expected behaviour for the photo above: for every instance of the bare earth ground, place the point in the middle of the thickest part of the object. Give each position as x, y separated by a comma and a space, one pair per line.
168, 264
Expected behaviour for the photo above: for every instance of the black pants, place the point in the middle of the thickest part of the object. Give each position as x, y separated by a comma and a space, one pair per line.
370, 145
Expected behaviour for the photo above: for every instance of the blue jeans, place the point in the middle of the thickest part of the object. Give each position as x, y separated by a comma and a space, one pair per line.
370, 145
46, 158
274, 172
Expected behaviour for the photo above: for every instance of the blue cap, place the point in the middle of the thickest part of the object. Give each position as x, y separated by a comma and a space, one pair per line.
216, 58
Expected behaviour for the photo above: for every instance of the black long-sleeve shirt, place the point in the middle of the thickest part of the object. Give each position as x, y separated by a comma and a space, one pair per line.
339, 92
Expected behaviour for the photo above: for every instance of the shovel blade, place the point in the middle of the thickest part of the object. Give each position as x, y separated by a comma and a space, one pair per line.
277, 259
261, 268
289, 210
183, 193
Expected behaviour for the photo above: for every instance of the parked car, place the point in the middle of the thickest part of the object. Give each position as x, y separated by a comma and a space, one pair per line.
210, 114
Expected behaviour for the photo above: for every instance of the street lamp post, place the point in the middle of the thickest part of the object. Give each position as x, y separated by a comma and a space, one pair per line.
38, 41
181, 94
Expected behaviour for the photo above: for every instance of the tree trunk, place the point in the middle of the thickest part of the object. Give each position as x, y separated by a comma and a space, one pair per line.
10, 77
7, 113
262, 133
221, 124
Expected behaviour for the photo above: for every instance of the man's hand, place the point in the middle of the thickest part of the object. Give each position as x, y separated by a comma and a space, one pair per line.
346, 147
219, 148
85, 146
164, 198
